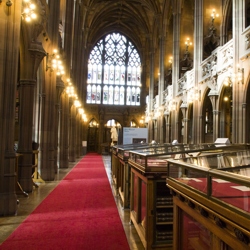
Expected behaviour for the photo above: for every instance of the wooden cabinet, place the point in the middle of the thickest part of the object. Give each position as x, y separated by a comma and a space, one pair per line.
121, 170
151, 209
211, 197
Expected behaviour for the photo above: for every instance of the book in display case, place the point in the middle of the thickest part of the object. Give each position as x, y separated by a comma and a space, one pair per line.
211, 196
151, 201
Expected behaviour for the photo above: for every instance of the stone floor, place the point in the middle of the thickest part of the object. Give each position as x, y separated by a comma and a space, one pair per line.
28, 204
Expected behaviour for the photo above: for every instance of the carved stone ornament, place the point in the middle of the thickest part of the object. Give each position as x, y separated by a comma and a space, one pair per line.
211, 41
38, 25
247, 41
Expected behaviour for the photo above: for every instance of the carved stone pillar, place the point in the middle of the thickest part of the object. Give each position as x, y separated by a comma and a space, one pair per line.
167, 118
59, 89
72, 132
31, 59
176, 44
216, 127
216, 120
78, 138
9, 47
64, 132
244, 122
185, 124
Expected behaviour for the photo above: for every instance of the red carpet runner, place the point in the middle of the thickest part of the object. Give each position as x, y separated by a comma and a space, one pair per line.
80, 213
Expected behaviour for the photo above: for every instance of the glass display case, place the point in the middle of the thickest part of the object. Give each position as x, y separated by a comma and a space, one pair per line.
151, 203
155, 158
121, 170
211, 193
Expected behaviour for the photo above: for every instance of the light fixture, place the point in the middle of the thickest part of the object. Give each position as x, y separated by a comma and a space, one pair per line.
170, 60
8, 3
187, 43
238, 76
227, 81
70, 90
213, 15
28, 10
77, 103
54, 63
172, 105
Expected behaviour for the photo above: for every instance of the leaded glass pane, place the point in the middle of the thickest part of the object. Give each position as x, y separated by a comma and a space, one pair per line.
114, 62
98, 94
93, 94
105, 94
88, 94
111, 94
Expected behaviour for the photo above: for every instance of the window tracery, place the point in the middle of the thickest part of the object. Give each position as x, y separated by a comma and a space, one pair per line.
114, 72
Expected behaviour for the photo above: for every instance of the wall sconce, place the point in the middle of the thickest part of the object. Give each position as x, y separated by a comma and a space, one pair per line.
142, 120
28, 10
147, 119
70, 91
8, 2
84, 117
170, 60
77, 103
227, 81
239, 75
172, 105
54, 63
213, 15
188, 43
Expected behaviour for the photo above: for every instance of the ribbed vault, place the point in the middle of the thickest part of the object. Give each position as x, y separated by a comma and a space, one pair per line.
139, 20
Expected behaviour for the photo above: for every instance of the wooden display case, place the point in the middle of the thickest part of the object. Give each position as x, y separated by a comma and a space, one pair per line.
211, 199
151, 208
114, 164
123, 171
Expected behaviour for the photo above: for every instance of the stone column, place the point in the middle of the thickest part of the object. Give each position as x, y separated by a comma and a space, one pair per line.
185, 123
48, 120
167, 117
161, 90
78, 138
9, 50
33, 54
176, 62
72, 132
216, 126
64, 132
48, 112
238, 23
198, 57
59, 89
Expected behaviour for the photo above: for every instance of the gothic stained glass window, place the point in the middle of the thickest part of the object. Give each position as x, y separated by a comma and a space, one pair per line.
114, 72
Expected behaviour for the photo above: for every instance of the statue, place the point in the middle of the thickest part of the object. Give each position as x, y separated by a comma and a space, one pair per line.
114, 135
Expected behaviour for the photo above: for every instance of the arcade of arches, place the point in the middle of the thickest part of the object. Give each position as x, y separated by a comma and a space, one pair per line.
190, 61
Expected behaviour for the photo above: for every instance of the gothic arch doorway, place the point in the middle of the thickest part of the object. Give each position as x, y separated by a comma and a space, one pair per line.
92, 139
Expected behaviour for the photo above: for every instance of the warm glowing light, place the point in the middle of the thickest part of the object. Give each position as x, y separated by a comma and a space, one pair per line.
28, 11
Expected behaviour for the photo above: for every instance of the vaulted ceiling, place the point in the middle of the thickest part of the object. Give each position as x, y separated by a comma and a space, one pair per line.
140, 20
